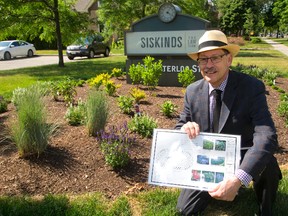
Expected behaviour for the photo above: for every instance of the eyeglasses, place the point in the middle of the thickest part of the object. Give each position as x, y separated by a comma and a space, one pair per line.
214, 59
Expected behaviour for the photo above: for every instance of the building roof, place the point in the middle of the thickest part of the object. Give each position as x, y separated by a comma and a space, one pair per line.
84, 5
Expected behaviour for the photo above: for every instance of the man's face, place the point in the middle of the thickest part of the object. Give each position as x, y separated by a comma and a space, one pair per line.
214, 66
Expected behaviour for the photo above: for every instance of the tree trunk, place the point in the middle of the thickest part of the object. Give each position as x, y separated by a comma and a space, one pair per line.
58, 34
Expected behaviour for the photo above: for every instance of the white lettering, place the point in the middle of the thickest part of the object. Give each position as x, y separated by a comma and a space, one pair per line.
179, 68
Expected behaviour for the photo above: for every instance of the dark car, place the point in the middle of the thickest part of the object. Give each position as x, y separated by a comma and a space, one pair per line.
88, 47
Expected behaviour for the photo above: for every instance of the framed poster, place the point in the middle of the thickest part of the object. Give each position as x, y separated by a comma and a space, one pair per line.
199, 163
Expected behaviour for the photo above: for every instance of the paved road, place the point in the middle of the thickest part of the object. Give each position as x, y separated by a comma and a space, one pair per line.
30, 62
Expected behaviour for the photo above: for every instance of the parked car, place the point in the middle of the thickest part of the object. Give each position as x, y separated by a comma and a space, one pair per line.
13, 48
88, 47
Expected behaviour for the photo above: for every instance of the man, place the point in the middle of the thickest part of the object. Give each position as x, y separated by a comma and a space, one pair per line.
244, 111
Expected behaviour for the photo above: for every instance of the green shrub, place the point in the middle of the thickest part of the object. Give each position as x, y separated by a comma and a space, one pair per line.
115, 145
255, 40
186, 77
135, 73
117, 72
17, 95
3, 105
76, 114
110, 87
284, 97
283, 110
152, 71
64, 88
142, 125
147, 74
168, 108
125, 104
97, 110
137, 94
270, 76
99, 80
30, 131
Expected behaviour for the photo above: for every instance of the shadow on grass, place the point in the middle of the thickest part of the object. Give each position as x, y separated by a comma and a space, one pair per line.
256, 55
79, 69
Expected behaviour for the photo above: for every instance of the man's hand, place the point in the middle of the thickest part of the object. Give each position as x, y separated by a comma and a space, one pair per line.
226, 190
192, 129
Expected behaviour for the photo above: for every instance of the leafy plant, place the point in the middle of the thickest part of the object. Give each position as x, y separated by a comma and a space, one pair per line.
284, 97
168, 108
148, 74
125, 104
151, 71
30, 131
186, 77
283, 110
65, 89
135, 73
270, 76
76, 114
137, 94
3, 105
99, 80
97, 111
115, 145
142, 125
110, 87
117, 72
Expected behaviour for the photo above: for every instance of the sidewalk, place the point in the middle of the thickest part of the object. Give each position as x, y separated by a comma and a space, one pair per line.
280, 47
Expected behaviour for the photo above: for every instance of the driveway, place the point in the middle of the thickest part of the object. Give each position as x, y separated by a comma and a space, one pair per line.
30, 62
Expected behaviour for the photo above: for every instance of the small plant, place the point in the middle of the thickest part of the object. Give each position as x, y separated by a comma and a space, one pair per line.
42, 87
117, 72
110, 87
255, 40
142, 125
148, 74
97, 110
99, 80
284, 97
115, 145
137, 94
135, 73
125, 104
270, 76
76, 114
283, 110
3, 105
17, 95
31, 132
186, 77
65, 89
168, 108
151, 71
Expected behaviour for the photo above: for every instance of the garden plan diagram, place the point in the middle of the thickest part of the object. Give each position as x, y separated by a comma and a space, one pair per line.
199, 163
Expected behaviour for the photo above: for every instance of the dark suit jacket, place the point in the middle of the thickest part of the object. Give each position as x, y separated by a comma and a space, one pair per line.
244, 112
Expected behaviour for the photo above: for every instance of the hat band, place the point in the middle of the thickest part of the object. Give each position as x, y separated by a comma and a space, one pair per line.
211, 43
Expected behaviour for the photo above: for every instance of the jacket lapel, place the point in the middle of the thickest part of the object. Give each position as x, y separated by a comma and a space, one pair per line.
228, 99
204, 106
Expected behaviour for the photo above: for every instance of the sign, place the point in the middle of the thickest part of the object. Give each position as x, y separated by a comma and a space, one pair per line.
199, 163
162, 42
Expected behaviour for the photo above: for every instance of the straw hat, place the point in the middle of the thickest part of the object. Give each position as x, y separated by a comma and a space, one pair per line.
213, 40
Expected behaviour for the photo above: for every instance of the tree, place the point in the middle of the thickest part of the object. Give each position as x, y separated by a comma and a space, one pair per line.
280, 11
46, 19
117, 16
233, 14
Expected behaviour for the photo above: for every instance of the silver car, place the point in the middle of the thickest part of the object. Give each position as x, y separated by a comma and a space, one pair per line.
14, 48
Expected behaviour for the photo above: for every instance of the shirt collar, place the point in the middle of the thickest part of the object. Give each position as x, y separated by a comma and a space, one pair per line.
221, 87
